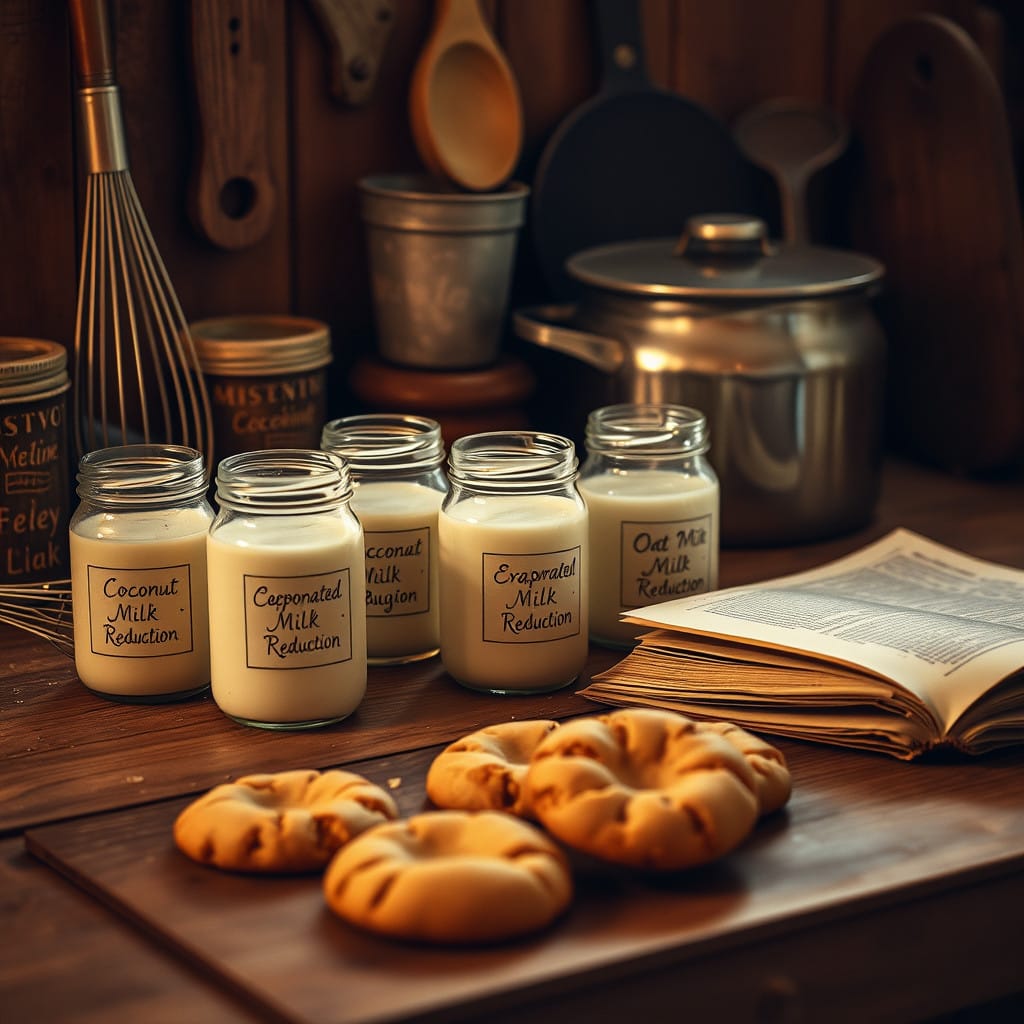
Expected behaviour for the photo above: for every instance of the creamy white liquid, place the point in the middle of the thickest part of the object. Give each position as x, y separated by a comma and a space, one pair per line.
653, 538
400, 538
514, 591
287, 618
139, 601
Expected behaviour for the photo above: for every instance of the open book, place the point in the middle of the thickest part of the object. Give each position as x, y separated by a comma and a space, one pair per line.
900, 647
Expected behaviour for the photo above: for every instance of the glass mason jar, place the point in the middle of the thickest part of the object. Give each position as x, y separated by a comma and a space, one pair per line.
286, 566
138, 573
398, 485
653, 502
513, 557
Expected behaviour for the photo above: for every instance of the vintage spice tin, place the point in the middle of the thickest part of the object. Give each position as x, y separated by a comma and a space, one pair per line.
35, 465
267, 379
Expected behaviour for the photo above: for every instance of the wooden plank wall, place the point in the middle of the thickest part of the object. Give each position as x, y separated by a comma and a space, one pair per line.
725, 55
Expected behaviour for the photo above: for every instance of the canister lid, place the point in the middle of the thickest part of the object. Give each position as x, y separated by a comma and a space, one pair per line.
261, 345
31, 366
723, 256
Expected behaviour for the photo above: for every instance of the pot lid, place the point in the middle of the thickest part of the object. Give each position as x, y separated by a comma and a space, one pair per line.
723, 256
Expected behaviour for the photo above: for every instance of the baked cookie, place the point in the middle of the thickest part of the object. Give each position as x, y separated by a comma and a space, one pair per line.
450, 877
643, 788
485, 770
280, 822
774, 783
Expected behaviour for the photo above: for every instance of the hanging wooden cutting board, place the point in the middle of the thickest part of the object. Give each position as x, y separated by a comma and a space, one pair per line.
938, 206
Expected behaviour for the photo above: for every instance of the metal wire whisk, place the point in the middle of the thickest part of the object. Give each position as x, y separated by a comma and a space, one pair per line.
41, 608
136, 376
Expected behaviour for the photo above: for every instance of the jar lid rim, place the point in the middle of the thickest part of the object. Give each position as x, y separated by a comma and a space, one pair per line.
284, 481
28, 365
255, 345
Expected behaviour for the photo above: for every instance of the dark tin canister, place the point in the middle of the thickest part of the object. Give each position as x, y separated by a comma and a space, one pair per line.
267, 379
35, 464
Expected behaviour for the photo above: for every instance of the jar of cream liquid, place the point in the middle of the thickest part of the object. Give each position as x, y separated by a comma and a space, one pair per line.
513, 557
653, 502
398, 485
138, 573
285, 556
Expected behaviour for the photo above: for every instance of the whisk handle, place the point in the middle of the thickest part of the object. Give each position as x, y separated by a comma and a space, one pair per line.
90, 36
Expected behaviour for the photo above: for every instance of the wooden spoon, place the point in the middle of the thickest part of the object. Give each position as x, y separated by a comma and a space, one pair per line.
464, 106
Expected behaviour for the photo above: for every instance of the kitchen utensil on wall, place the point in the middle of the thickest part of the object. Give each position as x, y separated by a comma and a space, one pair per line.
792, 139
464, 106
357, 32
778, 346
231, 194
938, 202
136, 374
441, 267
634, 161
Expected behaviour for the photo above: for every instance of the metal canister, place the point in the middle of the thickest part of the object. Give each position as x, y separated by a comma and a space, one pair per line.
267, 378
35, 463
441, 268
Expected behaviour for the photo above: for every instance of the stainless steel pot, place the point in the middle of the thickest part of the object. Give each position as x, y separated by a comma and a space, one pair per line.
777, 345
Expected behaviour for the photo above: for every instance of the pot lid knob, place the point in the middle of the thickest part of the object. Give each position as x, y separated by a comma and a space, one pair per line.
724, 234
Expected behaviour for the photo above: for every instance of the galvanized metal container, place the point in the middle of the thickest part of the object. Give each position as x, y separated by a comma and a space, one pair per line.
441, 264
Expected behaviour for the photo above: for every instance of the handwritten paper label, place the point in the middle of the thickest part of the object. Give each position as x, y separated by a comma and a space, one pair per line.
298, 621
140, 613
397, 572
529, 598
664, 560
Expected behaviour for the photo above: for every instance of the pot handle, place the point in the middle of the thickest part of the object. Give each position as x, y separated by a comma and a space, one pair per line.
547, 326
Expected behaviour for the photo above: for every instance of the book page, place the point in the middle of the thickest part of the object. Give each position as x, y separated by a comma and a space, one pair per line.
943, 625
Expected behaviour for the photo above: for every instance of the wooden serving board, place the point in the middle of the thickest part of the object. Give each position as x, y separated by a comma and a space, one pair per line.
825, 896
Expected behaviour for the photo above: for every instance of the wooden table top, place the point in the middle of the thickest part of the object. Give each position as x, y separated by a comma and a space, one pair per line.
884, 891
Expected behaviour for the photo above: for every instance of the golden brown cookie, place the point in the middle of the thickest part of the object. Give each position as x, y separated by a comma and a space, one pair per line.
774, 783
643, 788
280, 822
485, 770
450, 877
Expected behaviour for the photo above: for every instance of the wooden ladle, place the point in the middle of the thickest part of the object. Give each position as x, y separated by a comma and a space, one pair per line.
464, 105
